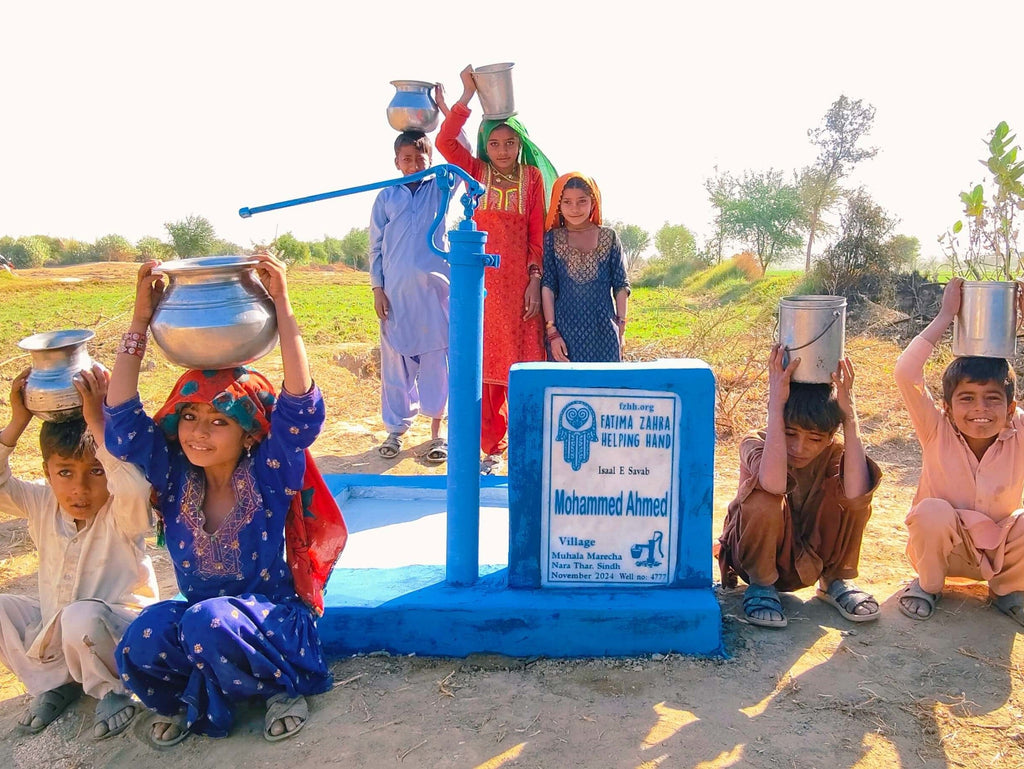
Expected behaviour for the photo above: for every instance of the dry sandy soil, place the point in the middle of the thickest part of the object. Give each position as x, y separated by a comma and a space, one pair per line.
822, 693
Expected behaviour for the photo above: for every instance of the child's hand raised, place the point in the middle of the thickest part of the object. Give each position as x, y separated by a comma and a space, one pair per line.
468, 84
19, 411
951, 298
439, 99
272, 275
779, 376
149, 287
842, 378
92, 386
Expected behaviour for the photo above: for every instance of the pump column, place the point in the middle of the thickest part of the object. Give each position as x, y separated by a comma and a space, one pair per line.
465, 366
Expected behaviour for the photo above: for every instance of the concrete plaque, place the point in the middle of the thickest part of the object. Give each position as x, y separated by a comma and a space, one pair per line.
609, 498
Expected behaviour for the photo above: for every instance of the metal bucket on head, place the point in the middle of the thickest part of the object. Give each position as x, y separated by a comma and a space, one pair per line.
986, 324
494, 87
813, 328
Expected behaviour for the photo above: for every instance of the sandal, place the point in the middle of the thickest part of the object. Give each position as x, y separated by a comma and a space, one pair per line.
437, 451
760, 598
47, 706
490, 464
280, 707
1011, 604
391, 446
107, 711
177, 720
914, 590
846, 597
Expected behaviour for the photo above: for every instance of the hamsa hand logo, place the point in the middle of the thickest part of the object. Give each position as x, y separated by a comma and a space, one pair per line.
577, 429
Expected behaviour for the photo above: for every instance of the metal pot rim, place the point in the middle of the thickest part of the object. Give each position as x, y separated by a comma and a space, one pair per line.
202, 263
55, 340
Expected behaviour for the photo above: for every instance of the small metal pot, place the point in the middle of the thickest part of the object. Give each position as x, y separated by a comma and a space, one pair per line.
494, 88
214, 313
813, 328
413, 108
57, 356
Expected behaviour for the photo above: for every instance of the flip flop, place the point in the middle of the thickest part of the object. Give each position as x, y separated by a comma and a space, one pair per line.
763, 597
48, 705
281, 706
391, 446
1011, 604
841, 592
178, 719
914, 590
108, 707
437, 451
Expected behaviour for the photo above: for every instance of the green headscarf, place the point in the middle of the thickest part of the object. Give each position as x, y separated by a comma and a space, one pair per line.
530, 154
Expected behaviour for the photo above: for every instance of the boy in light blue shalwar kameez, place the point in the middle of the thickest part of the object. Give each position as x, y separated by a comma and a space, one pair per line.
410, 295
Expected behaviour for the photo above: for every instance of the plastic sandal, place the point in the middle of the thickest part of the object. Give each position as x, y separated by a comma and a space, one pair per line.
437, 451
913, 590
108, 707
281, 706
391, 446
763, 597
1011, 604
178, 719
48, 705
841, 592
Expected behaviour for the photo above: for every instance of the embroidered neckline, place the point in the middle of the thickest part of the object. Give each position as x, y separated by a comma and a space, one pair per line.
219, 554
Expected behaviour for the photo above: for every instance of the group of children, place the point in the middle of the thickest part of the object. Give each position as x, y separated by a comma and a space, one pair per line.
804, 497
225, 461
560, 294
228, 463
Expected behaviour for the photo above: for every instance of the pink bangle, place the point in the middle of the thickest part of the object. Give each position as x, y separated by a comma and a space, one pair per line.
132, 343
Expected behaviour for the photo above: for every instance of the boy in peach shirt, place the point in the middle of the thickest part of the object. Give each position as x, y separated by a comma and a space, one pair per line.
967, 518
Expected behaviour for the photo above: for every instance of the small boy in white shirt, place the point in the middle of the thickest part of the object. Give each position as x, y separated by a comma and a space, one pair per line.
88, 521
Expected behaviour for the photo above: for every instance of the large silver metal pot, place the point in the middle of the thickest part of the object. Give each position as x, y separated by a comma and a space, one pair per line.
413, 108
57, 356
986, 324
494, 88
214, 313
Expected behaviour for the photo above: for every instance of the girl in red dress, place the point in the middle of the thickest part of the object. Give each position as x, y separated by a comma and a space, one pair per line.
518, 179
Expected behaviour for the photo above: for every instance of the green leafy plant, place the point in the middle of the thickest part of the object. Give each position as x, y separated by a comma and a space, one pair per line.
984, 243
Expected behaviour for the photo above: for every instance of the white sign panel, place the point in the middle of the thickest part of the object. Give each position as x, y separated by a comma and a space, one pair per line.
609, 498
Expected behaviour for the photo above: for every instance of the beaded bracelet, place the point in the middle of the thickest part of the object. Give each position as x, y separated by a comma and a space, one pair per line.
620, 320
132, 343
535, 272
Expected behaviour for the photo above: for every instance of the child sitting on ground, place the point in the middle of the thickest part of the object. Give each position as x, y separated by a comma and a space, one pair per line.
803, 500
410, 296
229, 461
967, 519
89, 524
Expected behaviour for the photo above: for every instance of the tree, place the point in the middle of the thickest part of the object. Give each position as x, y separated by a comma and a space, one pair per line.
291, 249
864, 250
192, 236
720, 188
76, 252
635, 240
836, 138
906, 250
763, 212
355, 248
153, 248
32, 251
675, 242
114, 248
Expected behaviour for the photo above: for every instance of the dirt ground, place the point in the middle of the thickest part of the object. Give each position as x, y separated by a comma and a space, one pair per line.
822, 693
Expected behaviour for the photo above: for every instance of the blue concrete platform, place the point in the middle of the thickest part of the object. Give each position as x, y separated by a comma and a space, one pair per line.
388, 591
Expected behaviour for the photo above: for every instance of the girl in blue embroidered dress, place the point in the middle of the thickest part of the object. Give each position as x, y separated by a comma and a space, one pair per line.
225, 457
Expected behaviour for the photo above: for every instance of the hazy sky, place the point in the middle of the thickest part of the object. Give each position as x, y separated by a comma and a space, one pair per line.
116, 117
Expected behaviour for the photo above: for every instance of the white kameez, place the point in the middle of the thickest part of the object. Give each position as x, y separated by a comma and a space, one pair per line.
92, 583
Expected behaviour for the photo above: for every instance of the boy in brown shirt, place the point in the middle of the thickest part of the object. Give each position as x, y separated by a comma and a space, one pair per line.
803, 501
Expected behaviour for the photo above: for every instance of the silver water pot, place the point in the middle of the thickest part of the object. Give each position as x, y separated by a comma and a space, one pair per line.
57, 356
413, 108
214, 313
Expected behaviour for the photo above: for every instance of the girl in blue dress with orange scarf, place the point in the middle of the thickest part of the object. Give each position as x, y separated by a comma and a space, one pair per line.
228, 460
